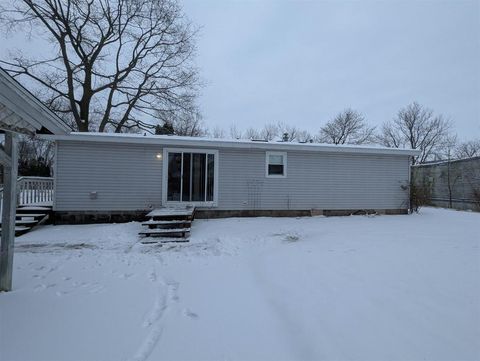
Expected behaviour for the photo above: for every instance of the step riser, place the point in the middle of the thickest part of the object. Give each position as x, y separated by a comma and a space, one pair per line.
169, 235
168, 227
30, 212
156, 240
171, 218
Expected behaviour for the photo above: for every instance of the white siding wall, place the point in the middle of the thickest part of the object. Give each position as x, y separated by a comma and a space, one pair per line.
314, 180
126, 177
129, 177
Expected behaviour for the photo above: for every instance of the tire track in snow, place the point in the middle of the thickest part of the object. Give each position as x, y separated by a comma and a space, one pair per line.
166, 295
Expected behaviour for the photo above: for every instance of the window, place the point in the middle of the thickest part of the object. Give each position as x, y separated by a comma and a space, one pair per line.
276, 164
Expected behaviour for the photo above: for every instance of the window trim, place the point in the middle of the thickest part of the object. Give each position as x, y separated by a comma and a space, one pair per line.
267, 158
165, 201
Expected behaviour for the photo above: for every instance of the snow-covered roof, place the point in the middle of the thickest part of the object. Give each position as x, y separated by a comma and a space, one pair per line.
172, 140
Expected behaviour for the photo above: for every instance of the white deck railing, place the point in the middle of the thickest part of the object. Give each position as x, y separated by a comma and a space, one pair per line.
32, 190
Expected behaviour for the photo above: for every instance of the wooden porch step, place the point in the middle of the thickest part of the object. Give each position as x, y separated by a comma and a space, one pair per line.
157, 240
173, 232
171, 214
173, 221
25, 221
32, 215
33, 209
168, 224
28, 217
19, 230
160, 212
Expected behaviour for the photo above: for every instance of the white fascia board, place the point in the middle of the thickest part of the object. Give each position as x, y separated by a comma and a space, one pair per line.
23, 103
177, 141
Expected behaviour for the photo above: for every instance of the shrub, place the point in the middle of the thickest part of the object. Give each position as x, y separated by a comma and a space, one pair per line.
420, 194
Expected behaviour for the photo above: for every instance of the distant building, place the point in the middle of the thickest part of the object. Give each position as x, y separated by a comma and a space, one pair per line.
451, 184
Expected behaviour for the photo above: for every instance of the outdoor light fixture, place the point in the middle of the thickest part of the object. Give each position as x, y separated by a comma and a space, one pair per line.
159, 156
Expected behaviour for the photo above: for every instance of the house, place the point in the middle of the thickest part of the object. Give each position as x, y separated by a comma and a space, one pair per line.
114, 177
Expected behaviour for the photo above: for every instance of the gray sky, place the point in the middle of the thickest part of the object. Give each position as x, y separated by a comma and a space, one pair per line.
303, 61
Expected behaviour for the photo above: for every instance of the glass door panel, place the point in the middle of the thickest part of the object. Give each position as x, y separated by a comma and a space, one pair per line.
186, 179
174, 176
210, 176
198, 177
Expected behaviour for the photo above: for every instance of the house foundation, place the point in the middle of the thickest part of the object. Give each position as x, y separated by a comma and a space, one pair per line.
87, 217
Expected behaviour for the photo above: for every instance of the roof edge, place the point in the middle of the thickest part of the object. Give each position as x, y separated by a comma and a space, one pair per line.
225, 143
49, 120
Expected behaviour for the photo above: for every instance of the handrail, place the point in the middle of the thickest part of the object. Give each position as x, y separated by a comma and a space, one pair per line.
32, 190
20, 179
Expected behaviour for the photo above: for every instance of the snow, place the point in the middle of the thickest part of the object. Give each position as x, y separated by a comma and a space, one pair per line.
342, 288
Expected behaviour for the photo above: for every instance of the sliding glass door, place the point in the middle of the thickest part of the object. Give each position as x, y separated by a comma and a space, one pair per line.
190, 176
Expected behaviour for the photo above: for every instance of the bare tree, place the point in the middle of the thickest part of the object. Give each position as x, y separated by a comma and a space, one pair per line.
348, 127
116, 64
468, 149
416, 127
293, 133
304, 136
269, 132
252, 133
35, 156
217, 132
190, 125
235, 133
272, 131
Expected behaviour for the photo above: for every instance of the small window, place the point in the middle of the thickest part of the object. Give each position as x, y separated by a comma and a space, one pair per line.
276, 164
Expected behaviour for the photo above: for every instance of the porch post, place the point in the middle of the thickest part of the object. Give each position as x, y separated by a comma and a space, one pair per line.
10, 171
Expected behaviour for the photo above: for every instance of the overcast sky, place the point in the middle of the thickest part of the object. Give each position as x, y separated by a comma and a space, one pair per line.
303, 61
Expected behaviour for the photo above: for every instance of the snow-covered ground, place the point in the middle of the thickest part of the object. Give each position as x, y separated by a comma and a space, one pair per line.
339, 288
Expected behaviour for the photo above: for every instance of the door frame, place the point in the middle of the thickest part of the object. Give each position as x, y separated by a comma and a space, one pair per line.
165, 200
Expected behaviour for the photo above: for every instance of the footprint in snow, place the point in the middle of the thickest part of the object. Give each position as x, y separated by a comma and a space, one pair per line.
152, 276
96, 288
188, 313
126, 276
43, 287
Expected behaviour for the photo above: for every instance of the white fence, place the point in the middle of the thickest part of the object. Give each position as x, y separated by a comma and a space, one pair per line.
32, 190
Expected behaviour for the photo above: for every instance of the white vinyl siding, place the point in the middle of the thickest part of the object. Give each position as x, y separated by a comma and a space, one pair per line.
129, 177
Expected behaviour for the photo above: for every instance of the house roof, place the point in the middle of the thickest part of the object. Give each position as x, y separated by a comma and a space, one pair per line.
445, 161
22, 112
179, 141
